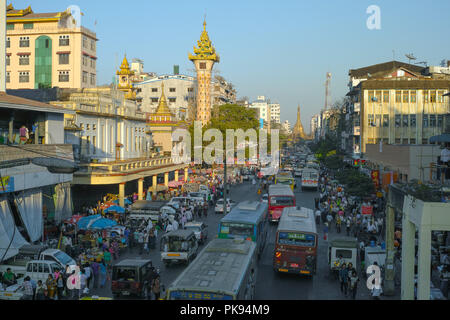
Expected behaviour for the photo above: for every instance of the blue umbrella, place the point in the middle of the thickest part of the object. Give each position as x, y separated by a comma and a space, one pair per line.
126, 201
95, 222
117, 209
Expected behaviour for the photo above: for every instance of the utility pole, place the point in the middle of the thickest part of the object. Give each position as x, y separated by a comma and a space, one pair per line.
225, 185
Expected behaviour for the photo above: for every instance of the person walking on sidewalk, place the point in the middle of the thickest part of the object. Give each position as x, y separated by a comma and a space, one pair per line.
343, 278
353, 284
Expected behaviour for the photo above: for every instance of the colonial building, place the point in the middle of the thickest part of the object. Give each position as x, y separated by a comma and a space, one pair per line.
394, 103
161, 124
48, 50
204, 58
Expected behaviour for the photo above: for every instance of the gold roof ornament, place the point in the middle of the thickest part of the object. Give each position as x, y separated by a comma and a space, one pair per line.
205, 50
125, 68
163, 108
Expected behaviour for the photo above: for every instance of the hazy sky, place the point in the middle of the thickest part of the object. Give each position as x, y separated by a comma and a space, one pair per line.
280, 49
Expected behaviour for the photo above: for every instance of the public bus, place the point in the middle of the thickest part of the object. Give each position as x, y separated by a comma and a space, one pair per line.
280, 197
285, 178
310, 178
248, 220
225, 269
296, 242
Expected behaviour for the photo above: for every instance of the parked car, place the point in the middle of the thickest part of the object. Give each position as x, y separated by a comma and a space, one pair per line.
132, 277
200, 230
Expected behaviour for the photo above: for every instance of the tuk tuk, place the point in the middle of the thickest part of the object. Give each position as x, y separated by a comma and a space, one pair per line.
340, 251
178, 246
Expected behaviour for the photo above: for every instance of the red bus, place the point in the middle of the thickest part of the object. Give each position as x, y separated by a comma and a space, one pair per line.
280, 197
296, 242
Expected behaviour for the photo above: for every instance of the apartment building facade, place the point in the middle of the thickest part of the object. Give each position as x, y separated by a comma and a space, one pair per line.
46, 50
275, 110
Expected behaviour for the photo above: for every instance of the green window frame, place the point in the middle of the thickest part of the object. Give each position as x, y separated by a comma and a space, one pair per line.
28, 25
10, 26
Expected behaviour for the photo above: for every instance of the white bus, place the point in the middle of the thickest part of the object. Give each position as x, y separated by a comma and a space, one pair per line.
310, 178
224, 270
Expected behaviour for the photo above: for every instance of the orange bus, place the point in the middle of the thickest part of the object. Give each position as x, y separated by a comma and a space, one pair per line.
280, 197
296, 242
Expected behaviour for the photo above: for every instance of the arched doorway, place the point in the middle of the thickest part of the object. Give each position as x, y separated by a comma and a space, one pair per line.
43, 63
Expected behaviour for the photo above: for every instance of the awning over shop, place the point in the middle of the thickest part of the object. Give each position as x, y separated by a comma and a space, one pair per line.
8, 231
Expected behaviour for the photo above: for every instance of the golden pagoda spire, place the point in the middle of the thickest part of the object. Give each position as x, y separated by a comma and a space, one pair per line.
125, 67
205, 49
163, 108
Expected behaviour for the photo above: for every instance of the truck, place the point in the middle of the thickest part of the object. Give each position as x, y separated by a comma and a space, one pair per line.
18, 263
36, 270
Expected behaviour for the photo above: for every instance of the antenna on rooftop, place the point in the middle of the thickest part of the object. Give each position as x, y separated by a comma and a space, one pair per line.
423, 62
410, 57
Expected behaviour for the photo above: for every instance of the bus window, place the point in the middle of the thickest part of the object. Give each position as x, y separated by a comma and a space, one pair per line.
296, 239
282, 201
238, 229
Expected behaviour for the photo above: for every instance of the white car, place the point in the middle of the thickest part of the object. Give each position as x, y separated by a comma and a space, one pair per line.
265, 198
219, 206
198, 197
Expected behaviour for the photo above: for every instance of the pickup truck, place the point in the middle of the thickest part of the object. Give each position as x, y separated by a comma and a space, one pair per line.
36, 270
27, 253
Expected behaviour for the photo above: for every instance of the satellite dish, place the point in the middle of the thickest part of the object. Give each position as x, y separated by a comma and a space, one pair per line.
410, 56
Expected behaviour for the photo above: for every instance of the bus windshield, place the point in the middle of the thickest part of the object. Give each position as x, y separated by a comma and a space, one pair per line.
297, 239
238, 229
281, 201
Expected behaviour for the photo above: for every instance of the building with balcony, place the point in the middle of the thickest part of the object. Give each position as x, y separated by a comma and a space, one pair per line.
275, 112
223, 92
49, 50
394, 103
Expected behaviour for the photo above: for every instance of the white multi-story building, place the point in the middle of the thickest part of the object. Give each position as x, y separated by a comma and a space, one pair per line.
180, 93
275, 112
286, 126
315, 127
262, 104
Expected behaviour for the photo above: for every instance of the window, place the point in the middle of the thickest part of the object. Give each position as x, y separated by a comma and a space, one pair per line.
94, 144
24, 60
424, 141
425, 96
172, 89
413, 96
397, 121
10, 26
93, 63
85, 77
412, 120
405, 96
94, 127
371, 120
385, 120
432, 120
24, 77
64, 58
405, 121
82, 126
378, 120
440, 121
378, 96
398, 96
84, 42
190, 89
63, 41
202, 65
425, 121
154, 100
397, 141
8, 77
8, 42
432, 96
93, 79
172, 100
93, 45
24, 42
386, 96
412, 141
64, 76
85, 58
8, 60
371, 95
28, 25
440, 97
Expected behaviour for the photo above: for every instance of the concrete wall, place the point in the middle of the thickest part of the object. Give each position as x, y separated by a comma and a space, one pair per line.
54, 128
